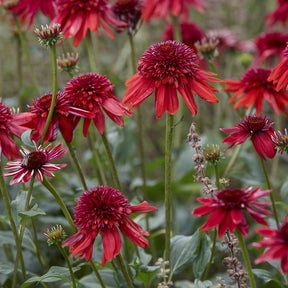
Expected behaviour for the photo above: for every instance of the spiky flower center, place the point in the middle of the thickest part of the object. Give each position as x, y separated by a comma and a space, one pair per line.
84, 5
231, 198
256, 123
34, 160
100, 208
168, 63
257, 79
5, 116
283, 233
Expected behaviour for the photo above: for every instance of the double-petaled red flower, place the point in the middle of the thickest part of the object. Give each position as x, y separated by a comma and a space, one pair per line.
268, 45
94, 92
169, 67
280, 14
279, 75
228, 208
104, 211
163, 8
62, 119
35, 163
11, 124
78, 16
253, 88
259, 129
276, 242
26, 9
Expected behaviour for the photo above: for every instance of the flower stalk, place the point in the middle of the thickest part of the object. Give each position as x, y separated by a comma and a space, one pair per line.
124, 271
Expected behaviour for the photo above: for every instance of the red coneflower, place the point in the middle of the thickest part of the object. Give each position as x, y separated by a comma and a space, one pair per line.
94, 92
253, 88
163, 8
276, 244
26, 9
259, 129
11, 124
62, 119
169, 67
104, 210
279, 75
268, 45
280, 14
77, 16
227, 207
35, 163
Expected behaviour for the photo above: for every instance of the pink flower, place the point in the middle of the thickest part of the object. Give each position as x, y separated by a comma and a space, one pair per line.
280, 14
35, 163
227, 207
104, 210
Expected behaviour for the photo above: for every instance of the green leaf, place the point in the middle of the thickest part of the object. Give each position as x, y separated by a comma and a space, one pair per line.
184, 284
265, 275
6, 268
17, 206
199, 284
54, 274
107, 276
34, 211
273, 284
25, 137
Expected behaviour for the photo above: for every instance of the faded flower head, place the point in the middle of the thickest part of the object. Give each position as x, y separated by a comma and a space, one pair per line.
259, 129
35, 163
49, 35
55, 235
253, 88
276, 245
104, 210
281, 141
227, 209
77, 17
68, 63
94, 92
168, 67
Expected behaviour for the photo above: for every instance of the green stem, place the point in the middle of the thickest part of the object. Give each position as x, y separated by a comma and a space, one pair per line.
168, 168
5, 195
245, 255
217, 176
62, 250
100, 170
28, 59
124, 271
272, 194
232, 161
77, 165
111, 161
97, 274
90, 51
60, 201
20, 238
54, 93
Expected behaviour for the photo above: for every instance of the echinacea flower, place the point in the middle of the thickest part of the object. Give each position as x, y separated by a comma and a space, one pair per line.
276, 243
253, 88
280, 14
279, 75
104, 211
62, 119
268, 45
228, 208
168, 67
11, 124
26, 9
259, 129
163, 8
77, 17
35, 163
94, 92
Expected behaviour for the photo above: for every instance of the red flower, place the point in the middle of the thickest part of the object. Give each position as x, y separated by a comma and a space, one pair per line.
279, 75
163, 8
62, 118
104, 210
276, 244
269, 45
191, 33
280, 14
167, 67
11, 124
35, 163
253, 88
77, 16
259, 129
227, 207
94, 92
26, 9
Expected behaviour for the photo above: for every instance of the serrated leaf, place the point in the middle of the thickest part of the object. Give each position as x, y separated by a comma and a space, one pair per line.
34, 211
54, 274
